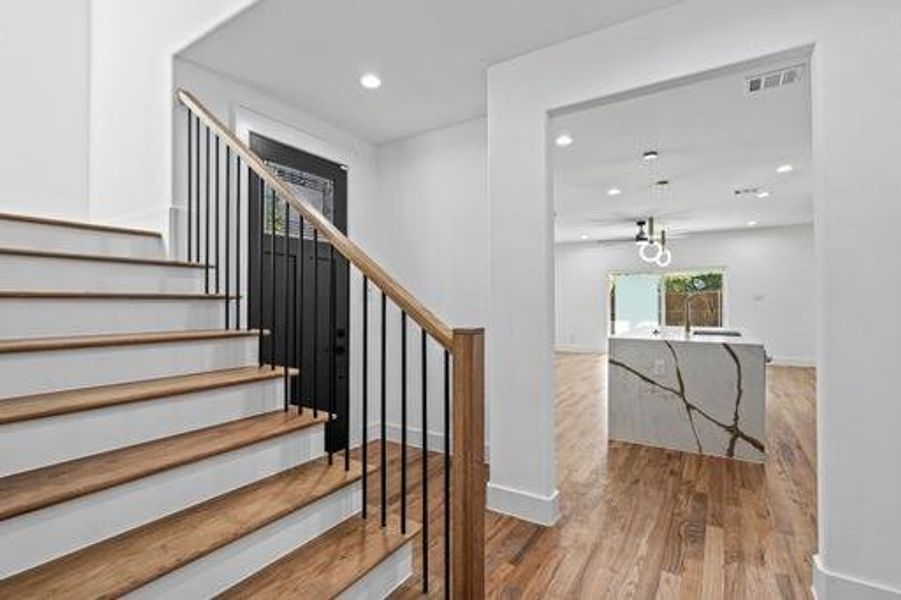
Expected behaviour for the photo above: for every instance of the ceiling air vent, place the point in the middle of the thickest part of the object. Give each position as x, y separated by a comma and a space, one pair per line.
774, 79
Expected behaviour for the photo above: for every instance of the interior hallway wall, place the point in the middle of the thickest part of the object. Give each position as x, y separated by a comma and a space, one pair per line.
770, 286
132, 47
44, 59
433, 230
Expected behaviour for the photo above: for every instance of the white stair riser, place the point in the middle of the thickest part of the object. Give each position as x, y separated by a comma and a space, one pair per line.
26, 373
36, 236
42, 535
19, 272
42, 317
386, 577
216, 572
36, 443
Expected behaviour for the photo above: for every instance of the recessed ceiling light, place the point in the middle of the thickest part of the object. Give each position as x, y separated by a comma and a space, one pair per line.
584, 236
752, 223
614, 191
370, 81
763, 194
650, 155
785, 168
563, 140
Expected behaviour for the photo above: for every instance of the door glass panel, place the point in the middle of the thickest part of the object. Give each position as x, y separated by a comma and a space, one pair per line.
315, 190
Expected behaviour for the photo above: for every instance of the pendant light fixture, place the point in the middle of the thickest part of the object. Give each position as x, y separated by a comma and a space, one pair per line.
652, 250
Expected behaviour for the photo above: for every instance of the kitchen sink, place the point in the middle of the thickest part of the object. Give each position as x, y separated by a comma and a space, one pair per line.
723, 332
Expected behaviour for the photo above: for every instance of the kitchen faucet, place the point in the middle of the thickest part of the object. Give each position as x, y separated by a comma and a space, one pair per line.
688, 300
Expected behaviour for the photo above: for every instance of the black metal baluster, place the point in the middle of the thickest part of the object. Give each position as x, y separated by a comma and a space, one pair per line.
272, 231
206, 218
425, 467
384, 417
190, 182
196, 253
262, 227
315, 323
447, 474
331, 355
298, 317
365, 418
347, 366
216, 263
238, 243
403, 422
228, 229
300, 327
286, 331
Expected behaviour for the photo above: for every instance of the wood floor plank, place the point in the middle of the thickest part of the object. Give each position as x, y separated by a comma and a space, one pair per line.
47, 344
329, 564
711, 524
122, 564
36, 406
32, 490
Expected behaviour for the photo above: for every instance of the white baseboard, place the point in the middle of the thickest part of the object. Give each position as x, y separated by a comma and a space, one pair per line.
829, 585
542, 510
789, 361
577, 349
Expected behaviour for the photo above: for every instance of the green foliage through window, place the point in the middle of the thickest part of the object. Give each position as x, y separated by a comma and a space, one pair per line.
693, 282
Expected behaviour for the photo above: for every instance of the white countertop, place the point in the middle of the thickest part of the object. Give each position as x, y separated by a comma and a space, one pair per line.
677, 334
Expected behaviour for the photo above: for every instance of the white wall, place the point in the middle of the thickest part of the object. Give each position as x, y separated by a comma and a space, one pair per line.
132, 45
855, 84
433, 236
770, 286
44, 107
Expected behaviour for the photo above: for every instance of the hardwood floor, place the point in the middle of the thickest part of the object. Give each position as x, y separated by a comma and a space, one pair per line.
640, 522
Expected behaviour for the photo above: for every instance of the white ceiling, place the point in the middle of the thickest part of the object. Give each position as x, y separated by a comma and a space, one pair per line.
430, 55
712, 137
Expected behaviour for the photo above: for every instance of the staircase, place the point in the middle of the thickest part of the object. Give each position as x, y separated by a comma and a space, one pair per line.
145, 451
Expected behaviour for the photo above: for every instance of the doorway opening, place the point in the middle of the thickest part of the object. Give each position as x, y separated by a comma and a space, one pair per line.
698, 196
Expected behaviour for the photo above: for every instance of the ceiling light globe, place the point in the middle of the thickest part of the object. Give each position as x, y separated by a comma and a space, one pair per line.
650, 252
563, 140
665, 258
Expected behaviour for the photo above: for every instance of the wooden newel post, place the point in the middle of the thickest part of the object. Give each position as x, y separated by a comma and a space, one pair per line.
468, 466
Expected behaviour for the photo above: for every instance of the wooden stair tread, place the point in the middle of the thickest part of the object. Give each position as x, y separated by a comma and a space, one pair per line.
37, 406
162, 262
32, 490
85, 295
123, 563
329, 564
117, 339
78, 224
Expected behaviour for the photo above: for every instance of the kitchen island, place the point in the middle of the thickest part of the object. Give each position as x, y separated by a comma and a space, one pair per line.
704, 392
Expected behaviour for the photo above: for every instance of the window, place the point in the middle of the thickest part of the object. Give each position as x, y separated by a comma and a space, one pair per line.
645, 300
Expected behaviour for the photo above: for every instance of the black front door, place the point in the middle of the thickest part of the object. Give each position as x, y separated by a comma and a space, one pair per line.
301, 295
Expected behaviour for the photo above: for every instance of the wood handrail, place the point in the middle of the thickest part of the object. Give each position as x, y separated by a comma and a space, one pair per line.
407, 302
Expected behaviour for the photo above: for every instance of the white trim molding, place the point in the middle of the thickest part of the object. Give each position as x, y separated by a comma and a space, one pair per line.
829, 585
542, 510
577, 349
788, 361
